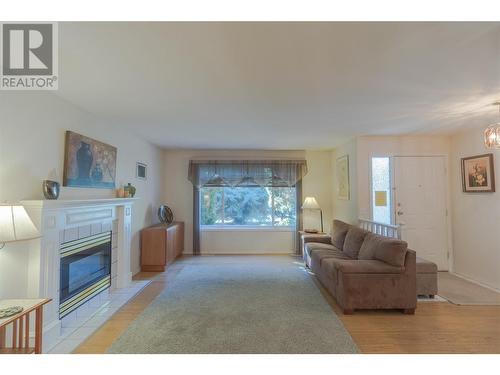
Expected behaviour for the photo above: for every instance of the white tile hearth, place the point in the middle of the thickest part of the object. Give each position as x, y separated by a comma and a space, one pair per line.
80, 324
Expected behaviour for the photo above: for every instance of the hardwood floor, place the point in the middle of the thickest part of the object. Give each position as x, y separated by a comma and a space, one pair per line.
102, 339
436, 327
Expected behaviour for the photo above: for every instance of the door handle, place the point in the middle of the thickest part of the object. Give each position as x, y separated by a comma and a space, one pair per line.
400, 213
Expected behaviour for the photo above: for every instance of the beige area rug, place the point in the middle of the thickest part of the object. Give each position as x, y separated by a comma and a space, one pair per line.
238, 304
462, 292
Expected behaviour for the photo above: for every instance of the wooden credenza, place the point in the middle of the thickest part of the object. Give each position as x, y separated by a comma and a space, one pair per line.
161, 245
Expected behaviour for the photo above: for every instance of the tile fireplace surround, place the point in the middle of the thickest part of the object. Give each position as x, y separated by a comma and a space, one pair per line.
60, 221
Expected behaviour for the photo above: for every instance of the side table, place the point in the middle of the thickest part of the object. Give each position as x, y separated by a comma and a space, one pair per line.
20, 338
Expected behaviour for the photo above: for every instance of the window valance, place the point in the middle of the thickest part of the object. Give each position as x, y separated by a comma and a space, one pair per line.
270, 173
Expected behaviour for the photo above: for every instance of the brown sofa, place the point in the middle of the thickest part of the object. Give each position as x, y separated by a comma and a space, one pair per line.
363, 270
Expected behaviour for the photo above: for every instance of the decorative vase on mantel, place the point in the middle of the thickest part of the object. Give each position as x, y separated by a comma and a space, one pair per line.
131, 189
51, 189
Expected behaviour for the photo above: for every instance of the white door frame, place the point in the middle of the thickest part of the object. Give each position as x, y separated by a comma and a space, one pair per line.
447, 199
391, 156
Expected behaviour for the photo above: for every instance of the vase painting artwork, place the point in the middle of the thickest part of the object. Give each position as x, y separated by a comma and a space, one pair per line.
88, 163
478, 175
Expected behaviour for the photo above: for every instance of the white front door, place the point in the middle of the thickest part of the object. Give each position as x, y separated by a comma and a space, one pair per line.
420, 205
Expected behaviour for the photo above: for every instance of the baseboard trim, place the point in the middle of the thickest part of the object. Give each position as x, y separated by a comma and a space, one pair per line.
245, 254
475, 282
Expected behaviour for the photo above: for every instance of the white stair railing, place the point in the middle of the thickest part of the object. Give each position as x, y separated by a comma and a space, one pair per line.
387, 230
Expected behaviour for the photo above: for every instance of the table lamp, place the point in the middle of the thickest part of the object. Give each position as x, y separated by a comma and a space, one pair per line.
310, 203
15, 225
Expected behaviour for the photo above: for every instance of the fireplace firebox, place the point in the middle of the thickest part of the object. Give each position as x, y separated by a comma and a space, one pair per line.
85, 270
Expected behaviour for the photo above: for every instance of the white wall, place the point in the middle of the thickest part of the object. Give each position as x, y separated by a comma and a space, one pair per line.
178, 194
475, 216
32, 131
345, 210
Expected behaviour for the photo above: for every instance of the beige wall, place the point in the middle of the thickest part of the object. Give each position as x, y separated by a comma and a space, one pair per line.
346, 210
247, 241
32, 133
318, 183
475, 217
178, 194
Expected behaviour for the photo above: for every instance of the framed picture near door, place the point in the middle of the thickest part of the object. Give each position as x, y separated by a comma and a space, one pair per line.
478, 175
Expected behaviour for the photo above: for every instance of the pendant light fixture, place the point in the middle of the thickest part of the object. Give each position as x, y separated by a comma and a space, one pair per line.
492, 133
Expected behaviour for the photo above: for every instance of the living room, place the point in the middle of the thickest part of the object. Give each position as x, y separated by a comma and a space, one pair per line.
249, 188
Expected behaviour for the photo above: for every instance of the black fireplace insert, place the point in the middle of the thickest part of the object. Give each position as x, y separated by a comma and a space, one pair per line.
85, 270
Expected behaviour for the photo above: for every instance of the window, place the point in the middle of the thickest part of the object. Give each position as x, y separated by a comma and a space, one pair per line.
248, 206
381, 190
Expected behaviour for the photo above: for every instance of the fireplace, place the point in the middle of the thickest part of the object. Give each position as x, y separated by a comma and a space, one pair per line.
85, 270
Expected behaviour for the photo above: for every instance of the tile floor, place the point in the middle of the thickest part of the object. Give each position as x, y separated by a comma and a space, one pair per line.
79, 325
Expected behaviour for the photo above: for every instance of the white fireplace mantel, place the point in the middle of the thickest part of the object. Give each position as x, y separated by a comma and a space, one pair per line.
74, 203
61, 221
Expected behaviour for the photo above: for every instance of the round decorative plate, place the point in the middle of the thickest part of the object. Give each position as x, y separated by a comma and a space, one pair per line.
165, 214
10, 311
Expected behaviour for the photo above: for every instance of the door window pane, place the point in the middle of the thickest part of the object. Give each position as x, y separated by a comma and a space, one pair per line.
381, 190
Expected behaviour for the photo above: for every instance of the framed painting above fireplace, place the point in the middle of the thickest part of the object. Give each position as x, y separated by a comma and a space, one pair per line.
88, 162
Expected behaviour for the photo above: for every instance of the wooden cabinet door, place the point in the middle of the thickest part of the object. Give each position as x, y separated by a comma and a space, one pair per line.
171, 244
153, 246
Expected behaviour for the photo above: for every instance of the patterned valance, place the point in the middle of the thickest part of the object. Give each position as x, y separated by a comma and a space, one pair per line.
218, 173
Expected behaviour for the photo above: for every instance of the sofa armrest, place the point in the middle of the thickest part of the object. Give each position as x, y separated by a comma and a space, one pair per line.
411, 263
321, 238
366, 266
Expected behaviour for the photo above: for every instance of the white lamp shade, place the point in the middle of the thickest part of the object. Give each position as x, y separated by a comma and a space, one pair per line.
16, 225
310, 203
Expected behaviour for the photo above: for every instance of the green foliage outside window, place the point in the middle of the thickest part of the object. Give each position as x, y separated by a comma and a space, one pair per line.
250, 206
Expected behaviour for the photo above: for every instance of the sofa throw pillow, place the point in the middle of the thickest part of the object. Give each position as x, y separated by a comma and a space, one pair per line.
392, 251
353, 241
339, 231
369, 246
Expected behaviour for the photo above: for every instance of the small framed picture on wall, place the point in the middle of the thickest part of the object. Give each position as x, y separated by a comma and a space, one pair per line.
478, 175
141, 171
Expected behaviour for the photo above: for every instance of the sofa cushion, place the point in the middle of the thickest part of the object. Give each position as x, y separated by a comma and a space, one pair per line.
323, 238
339, 231
353, 241
319, 255
392, 251
359, 266
312, 246
369, 246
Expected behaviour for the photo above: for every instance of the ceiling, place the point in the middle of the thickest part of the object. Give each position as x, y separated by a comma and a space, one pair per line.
280, 85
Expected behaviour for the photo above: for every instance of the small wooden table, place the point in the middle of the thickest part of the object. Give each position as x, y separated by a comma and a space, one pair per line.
20, 338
